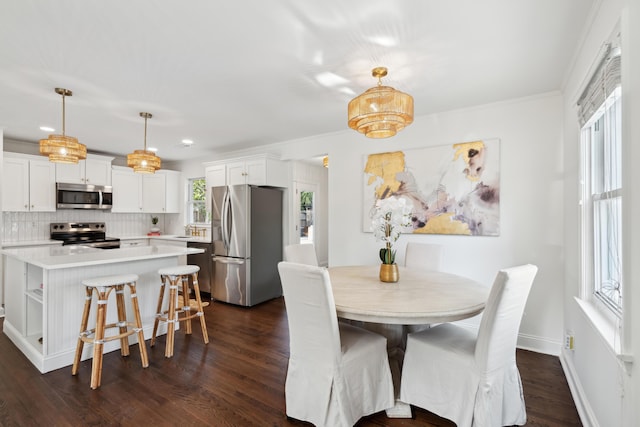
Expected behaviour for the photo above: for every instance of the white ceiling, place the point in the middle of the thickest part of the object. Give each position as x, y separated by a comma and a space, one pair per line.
236, 74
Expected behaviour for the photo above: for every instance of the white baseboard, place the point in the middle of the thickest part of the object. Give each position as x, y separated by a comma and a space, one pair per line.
526, 342
539, 344
587, 417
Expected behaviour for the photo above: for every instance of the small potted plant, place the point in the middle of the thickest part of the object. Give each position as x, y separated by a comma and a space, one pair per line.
390, 217
154, 221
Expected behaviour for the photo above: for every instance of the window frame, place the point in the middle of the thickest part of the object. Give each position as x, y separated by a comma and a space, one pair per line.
590, 198
191, 203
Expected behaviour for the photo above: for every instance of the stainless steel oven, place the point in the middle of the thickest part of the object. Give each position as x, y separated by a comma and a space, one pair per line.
92, 234
83, 196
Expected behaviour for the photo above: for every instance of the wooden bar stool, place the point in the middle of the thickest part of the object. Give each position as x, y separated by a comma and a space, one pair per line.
175, 313
102, 286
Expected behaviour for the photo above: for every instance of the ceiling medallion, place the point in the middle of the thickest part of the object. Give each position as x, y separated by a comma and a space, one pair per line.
63, 148
144, 161
382, 111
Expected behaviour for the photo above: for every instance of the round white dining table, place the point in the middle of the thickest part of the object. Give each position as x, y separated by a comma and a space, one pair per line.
420, 297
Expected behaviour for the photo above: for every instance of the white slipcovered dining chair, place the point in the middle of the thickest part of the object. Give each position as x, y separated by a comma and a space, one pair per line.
337, 373
301, 253
425, 256
473, 380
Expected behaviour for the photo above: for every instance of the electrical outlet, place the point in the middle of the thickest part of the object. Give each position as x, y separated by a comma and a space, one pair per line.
568, 341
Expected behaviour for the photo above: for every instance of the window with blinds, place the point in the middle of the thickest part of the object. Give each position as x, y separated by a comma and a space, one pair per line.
600, 115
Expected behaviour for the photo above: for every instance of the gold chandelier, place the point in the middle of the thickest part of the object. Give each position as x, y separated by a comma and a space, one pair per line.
62, 148
382, 111
144, 161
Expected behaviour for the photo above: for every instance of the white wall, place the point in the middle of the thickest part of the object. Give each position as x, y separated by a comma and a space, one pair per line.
602, 388
530, 131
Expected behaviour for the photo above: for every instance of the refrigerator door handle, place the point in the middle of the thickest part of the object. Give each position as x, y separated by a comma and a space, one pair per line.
225, 226
225, 260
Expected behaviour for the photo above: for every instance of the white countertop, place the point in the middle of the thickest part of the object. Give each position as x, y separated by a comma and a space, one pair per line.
31, 243
171, 237
56, 257
193, 239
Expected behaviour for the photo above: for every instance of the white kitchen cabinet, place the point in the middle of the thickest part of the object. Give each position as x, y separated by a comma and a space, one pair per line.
127, 190
256, 172
215, 176
173, 202
154, 193
28, 184
94, 170
134, 192
237, 173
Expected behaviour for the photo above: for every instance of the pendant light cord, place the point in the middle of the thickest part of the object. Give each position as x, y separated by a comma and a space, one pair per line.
63, 114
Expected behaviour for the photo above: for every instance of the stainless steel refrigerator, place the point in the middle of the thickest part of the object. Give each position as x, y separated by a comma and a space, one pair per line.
247, 243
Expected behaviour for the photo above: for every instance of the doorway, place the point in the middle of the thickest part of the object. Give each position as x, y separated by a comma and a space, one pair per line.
306, 225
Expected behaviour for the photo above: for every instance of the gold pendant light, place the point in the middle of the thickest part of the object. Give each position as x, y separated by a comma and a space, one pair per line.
382, 111
62, 148
144, 161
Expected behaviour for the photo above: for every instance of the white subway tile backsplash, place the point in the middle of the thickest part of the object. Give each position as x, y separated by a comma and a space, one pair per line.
29, 226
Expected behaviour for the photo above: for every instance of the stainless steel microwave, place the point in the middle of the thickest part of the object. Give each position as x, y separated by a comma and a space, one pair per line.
83, 196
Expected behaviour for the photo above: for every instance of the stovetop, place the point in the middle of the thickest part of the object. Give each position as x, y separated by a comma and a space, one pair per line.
77, 233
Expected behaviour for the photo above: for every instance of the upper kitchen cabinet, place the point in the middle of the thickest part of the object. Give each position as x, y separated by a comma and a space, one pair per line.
172, 191
216, 176
94, 170
265, 170
257, 171
150, 193
154, 189
127, 190
28, 184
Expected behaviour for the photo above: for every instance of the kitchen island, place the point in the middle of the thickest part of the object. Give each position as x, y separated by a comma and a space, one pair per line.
44, 297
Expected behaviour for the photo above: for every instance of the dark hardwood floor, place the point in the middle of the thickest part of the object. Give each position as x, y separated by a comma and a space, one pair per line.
235, 380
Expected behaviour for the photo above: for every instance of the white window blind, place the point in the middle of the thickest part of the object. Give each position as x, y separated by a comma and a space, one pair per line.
604, 81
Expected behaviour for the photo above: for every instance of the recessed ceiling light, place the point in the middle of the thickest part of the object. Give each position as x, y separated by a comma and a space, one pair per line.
47, 129
154, 149
187, 141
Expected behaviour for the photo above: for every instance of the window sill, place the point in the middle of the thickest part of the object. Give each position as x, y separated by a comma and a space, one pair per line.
601, 323
606, 328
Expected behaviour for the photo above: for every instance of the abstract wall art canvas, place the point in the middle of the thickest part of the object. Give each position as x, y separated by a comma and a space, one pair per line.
454, 189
